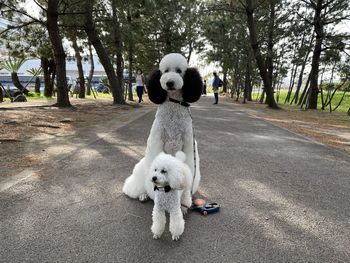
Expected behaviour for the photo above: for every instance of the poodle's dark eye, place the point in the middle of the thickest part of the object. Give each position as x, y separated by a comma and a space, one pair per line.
167, 70
163, 171
155, 170
178, 71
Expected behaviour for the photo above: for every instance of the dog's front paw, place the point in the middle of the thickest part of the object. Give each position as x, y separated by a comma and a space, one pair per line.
176, 238
144, 197
156, 236
184, 210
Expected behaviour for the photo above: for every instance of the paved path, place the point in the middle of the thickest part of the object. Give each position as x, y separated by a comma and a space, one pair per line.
284, 199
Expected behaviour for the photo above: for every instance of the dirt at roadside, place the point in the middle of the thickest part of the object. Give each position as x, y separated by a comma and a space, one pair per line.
26, 130
328, 128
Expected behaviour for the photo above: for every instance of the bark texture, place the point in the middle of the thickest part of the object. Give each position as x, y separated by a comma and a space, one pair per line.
313, 92
80, 68
91, 73
48, 67
94, 39
265, 69
59, 54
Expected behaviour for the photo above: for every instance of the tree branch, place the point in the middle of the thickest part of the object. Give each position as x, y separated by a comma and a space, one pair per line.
41, 7
14, 9
327, 4
242, 3
327, 22
9, 28
303, 18
309, 3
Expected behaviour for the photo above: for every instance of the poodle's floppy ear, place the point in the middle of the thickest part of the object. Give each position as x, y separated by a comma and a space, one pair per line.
176, 181
155, 91
193, 85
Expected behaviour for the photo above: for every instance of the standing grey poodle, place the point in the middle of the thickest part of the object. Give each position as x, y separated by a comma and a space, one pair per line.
173, 86
172, 181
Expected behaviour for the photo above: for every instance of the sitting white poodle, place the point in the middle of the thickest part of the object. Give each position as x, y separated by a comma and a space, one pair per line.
172, 181
173, 86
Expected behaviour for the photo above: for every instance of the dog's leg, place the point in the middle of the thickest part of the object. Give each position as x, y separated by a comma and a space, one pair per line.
158, 224
134, 185
186, 201
177, 224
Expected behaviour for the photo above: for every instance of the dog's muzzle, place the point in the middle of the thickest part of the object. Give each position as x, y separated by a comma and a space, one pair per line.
171, 81
170, 85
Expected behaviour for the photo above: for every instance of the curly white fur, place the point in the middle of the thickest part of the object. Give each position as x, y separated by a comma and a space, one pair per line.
171, 132
167, 170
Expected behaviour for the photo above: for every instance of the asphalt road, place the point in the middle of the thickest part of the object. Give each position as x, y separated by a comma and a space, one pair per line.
284, 198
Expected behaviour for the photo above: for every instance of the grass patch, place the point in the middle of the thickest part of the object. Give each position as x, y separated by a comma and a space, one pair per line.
344, 107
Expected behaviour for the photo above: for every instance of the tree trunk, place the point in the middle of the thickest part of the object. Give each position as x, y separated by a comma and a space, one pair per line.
275, 76
300, 79
53, 77
60, 56
190, 50
37, 85
1, 94
270, 43
316, 56
119, 46
18, 84
49, 69
45, 67
91, 73
290, 88
263, 71
130, 96
224, 80
94, 39
247, 81
304, 93
250, 92
80, 68
130, 56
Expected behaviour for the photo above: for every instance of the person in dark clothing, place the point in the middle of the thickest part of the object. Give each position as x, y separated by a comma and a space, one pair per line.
204, 87
217, 82
140, 84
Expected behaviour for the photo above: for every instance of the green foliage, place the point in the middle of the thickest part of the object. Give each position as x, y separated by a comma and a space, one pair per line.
216, 29
13, 64
32, 94
152, 29
104, 80
35, 71
336, 85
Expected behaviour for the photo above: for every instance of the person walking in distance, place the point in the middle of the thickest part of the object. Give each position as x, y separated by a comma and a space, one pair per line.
204, 87
140, 84
217, 82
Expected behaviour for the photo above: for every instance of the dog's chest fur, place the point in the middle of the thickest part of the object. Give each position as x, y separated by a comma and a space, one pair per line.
169, 201
175, 122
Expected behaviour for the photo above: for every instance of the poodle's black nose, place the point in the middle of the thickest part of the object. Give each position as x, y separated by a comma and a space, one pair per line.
170, 83
154, 178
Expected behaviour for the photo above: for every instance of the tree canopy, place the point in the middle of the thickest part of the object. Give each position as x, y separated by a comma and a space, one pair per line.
253, 41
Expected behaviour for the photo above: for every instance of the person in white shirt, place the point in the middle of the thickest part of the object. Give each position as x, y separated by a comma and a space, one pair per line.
140, 84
